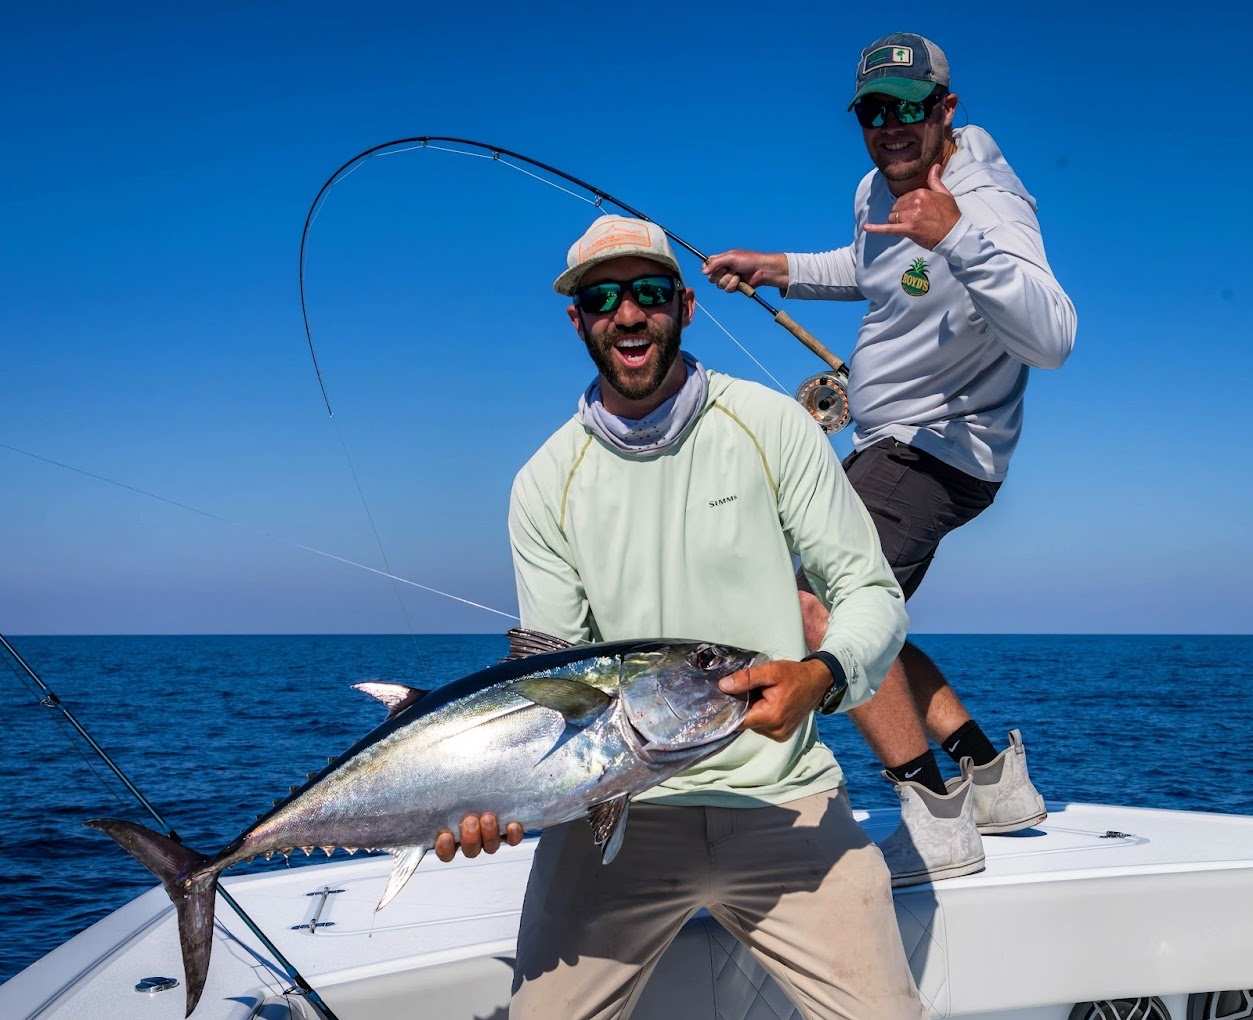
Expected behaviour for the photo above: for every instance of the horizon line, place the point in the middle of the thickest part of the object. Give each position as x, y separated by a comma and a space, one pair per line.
501, 634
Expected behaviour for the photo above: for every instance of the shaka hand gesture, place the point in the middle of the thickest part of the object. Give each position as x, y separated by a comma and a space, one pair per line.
924, 215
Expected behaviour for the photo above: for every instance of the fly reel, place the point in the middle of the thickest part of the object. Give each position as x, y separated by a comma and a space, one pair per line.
825, 397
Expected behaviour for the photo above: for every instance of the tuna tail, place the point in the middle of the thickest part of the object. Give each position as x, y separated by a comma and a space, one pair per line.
191, 883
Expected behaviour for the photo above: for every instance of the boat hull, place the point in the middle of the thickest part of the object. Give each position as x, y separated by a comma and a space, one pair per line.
1099, 903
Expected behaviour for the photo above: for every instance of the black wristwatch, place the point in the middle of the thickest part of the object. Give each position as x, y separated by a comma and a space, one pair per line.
839, 682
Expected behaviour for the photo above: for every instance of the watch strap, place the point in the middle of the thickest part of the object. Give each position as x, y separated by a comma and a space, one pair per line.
839, 681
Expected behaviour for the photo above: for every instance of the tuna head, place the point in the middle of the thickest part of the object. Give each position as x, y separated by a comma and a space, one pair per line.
671, 700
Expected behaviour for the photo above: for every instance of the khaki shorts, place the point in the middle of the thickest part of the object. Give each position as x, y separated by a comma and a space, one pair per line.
798, 883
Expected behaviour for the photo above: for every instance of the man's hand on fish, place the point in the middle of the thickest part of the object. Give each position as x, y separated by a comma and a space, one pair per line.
481, 832
787, 691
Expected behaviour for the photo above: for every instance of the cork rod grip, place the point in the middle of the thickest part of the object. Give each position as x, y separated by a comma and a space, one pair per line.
810, 341
800, 332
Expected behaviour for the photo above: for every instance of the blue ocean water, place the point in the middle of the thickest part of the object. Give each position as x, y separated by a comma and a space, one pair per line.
212, 729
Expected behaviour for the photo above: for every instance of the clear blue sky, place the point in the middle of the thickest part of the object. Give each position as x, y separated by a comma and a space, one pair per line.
158, 165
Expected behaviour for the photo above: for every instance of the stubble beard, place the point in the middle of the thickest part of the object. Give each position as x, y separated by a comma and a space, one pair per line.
915, 167
634, 386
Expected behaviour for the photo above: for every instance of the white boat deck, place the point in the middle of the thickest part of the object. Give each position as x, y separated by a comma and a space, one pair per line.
1099, 902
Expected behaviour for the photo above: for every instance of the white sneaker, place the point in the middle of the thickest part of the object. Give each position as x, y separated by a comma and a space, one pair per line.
937, 837
1005, 799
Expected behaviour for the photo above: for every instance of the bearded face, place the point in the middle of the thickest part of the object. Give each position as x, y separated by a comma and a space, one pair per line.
635, 346
905, 152
635, 361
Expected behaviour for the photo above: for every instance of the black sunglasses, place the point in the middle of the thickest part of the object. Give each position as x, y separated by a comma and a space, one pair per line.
872, 111
648, 291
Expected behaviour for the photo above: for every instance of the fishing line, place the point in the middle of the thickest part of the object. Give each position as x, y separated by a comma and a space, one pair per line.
824, 395
268, 535
731, 336
51, 700
378, 540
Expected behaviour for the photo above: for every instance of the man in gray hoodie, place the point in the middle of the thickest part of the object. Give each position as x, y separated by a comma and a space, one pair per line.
947, 250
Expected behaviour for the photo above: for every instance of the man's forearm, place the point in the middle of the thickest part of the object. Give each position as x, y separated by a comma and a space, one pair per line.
865, 632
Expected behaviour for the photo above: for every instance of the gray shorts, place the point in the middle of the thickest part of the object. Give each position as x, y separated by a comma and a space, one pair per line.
915, 499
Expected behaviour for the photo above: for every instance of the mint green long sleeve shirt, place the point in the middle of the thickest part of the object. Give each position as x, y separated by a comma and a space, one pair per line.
697, 543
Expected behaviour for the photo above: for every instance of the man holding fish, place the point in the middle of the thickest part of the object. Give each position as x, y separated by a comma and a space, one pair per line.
668, 507
670, 504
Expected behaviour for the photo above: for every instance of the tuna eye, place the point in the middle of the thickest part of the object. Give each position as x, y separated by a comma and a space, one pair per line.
704, 658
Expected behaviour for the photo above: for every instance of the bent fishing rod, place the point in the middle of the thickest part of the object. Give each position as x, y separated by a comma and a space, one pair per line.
51, 700
824, 395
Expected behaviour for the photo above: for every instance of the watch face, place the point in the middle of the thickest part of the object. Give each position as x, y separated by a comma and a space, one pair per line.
831, 700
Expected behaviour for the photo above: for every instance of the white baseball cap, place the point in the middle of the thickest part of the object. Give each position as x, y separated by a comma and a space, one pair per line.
612, 237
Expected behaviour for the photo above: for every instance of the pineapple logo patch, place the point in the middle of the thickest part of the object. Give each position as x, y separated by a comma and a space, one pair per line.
914, 280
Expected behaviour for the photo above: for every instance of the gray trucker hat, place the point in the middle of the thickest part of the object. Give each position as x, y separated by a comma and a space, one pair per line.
903, 65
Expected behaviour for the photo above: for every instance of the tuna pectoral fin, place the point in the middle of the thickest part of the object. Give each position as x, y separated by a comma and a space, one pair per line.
407, 860
191, 883
609, 822
578, 703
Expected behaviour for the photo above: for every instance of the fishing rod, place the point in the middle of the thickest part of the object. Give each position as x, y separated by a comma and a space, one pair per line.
51, 700
824, 395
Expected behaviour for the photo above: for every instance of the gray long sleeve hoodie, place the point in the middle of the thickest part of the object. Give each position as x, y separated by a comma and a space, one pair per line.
942, 356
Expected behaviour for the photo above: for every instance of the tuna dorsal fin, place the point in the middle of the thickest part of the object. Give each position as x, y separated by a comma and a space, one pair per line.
609, 821
524, 643
407, 860
577, 702
397, 697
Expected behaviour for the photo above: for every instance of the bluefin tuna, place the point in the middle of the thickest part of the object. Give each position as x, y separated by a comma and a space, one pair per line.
554, 733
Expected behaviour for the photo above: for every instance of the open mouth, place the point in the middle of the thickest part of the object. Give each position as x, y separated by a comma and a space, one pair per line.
633, 352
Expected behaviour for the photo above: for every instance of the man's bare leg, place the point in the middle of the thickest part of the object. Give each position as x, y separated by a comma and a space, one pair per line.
914, 693
889, 722
937, 703
929, 843
914, 700
814, 617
